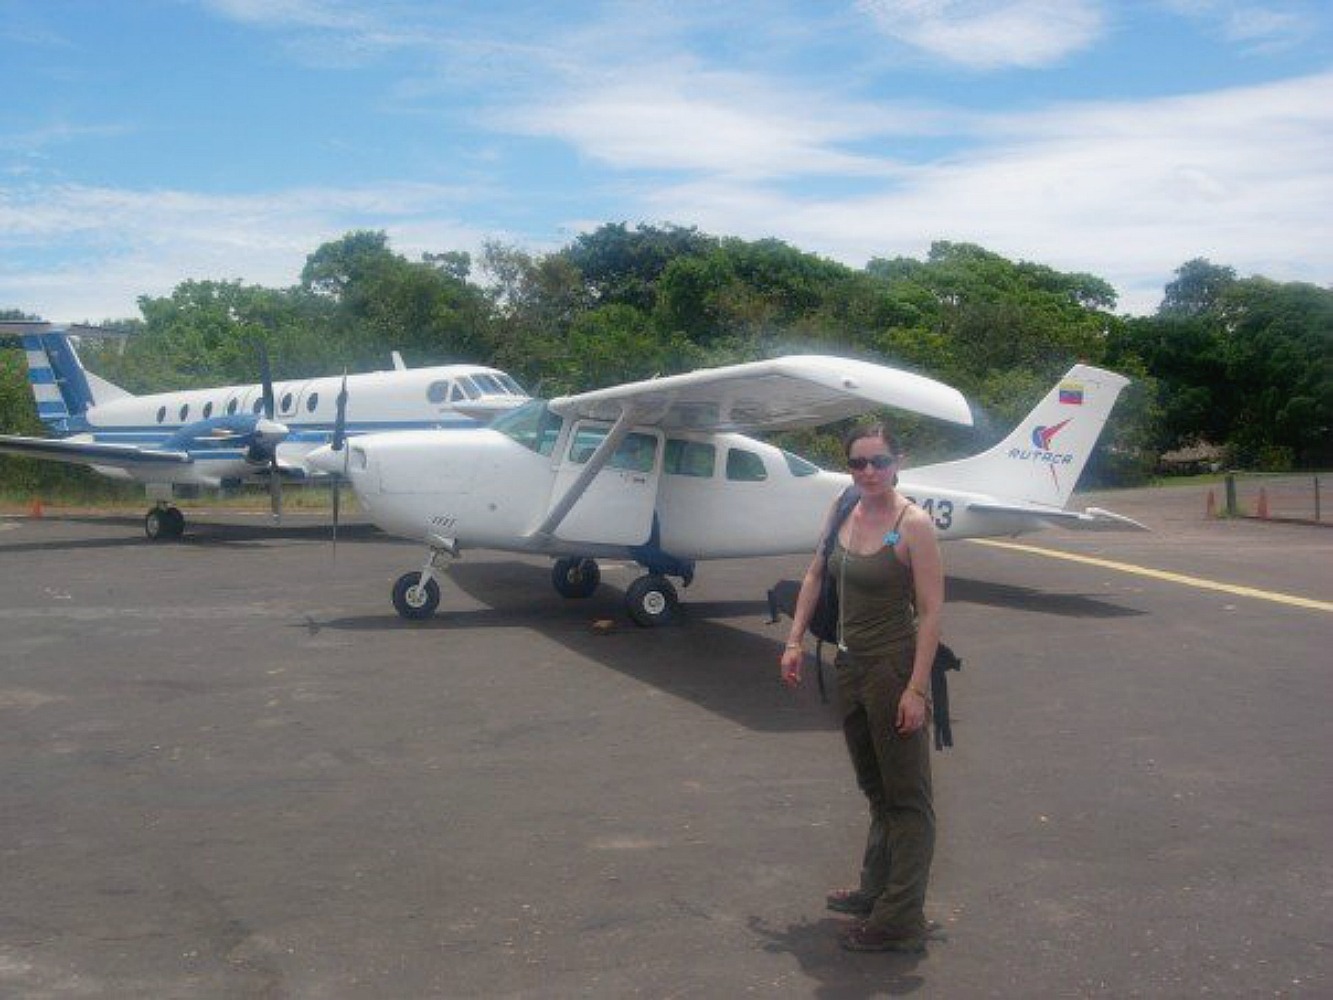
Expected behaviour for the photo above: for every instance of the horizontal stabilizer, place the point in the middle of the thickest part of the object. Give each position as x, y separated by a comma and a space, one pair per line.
1091, 519
89, 452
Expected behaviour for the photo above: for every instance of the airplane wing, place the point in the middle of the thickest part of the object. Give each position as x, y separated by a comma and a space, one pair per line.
1091, 519
119, 456
777, 394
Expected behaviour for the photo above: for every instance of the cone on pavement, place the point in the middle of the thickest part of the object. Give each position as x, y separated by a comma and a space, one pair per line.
1210, 510
1263, 504
35, 508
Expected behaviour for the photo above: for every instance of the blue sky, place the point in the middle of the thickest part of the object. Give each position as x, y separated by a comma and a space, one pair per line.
148, 142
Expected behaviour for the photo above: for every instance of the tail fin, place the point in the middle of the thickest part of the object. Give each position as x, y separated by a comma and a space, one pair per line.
61, 386
1041, 459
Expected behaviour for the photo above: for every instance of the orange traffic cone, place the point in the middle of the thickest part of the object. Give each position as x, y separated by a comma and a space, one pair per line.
35, 508
1263, 504
1210, 511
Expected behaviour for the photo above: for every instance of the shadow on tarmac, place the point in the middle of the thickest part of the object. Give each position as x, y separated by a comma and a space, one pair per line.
723, 669
1005, 595
727, 670
838, 973
201, 535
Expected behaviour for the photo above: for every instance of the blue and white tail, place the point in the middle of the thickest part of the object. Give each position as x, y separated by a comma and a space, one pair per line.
1041, 459
63, 389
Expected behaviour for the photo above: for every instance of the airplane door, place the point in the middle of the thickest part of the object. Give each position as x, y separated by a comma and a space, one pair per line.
617, 507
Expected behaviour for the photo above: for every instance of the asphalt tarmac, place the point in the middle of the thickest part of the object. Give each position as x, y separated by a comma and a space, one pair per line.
227, 769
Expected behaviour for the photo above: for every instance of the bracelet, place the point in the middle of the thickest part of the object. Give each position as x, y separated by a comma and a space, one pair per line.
919, 693
794, 645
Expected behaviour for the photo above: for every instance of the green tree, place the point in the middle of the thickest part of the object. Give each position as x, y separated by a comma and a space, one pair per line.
1197, 289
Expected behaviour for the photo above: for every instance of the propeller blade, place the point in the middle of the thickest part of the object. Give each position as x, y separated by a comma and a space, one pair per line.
335, 518
266, 381
275, 485
340, 418
339, 443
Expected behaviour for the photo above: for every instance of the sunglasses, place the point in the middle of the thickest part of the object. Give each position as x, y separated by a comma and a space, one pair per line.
880, 462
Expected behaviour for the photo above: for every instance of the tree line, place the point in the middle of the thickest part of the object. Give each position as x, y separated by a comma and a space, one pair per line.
1241, 363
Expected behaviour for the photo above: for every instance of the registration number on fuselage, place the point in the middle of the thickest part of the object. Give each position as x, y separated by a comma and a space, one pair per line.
939, 511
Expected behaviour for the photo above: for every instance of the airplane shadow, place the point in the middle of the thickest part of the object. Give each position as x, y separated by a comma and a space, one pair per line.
724, 669
1005, 595
728, 669
199, 534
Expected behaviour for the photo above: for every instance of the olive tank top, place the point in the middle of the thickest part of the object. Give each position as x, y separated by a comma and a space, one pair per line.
875, 596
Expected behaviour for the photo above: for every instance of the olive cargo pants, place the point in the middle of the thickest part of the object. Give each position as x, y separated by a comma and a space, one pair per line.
894, 774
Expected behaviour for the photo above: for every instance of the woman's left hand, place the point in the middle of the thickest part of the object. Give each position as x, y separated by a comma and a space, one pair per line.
911, 713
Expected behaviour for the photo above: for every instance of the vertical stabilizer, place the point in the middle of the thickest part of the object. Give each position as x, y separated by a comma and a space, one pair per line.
1042, 458
62, 388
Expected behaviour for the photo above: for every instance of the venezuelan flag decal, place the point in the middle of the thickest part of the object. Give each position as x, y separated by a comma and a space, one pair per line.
1071, 393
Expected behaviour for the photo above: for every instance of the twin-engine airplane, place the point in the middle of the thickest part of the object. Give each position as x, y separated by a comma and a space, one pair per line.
660, 472
177, 442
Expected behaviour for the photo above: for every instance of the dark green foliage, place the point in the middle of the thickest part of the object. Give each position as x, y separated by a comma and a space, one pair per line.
1247, 363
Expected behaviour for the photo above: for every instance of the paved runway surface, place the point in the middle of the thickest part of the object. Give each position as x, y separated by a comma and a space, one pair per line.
227, 769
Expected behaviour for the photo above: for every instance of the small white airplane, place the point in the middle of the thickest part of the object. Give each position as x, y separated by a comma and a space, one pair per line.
178, 442
658, 472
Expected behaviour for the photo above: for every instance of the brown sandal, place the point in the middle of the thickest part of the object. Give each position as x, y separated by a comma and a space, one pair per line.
857, 902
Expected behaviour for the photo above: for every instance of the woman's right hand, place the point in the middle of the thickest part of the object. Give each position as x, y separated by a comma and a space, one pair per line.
793, 658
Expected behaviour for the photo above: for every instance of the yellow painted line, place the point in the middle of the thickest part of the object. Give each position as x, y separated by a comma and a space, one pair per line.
1159, 574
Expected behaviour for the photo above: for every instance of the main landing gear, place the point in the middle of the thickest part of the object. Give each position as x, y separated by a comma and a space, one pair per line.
163, 523
650, 599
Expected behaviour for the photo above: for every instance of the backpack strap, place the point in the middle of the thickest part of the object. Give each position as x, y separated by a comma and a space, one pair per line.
849, 498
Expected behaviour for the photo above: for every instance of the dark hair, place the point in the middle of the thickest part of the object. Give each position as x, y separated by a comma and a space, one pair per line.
878, 430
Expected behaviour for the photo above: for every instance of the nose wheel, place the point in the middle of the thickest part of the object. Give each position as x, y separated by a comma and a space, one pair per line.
413, 599
416, 595
651, 600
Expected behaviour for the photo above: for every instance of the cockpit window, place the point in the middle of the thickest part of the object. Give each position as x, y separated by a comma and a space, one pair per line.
463, 389
514, 388
745, 466
799, 466
532, 425
437, 392
690, 458
489, 384
637, 452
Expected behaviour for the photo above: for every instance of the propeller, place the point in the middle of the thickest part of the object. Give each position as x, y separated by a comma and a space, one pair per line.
269, 427
339, 443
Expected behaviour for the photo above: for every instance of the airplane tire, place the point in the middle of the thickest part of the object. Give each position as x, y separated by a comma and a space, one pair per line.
576, 578
163, 524
651, 600
175, 522
413, 602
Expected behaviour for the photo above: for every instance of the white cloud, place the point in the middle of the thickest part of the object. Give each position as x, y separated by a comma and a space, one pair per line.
990, 34
1126, 191
1262, 27
117, 245
665, 118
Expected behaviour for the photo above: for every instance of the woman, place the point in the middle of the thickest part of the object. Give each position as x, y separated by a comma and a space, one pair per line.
891, 586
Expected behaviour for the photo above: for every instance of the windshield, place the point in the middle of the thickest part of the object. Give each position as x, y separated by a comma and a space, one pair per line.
532, 425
